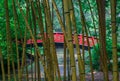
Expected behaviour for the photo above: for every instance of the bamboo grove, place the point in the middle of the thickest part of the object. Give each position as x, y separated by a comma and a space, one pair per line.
38, 18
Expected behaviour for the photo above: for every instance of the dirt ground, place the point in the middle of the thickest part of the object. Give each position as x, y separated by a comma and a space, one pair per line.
98, 76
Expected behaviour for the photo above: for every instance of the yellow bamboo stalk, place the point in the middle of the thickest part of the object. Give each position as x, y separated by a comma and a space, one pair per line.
102, 37
52, 44
16, 37
83, 51
61, 23
7, 34
28, 27
114, 41
69, 36
52, 67
60, 20
85, 29
80, 61
92, 16
47, 47
40, 24
23, 54
36, 56
65, 47
64, 60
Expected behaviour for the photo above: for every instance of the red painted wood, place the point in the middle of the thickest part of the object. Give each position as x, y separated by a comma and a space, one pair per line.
59, 38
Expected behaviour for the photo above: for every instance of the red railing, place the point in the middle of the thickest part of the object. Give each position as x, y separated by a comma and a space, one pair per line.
59, 38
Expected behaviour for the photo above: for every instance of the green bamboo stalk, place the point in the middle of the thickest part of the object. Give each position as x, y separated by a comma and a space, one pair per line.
114, 41
2, 65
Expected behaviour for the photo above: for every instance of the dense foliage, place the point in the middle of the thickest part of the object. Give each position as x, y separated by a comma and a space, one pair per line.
96, 55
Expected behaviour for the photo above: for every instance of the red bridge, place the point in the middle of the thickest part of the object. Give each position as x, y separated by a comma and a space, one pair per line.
59, 39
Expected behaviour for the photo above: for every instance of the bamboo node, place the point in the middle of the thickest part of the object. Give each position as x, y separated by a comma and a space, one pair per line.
70, 40
115, 71
0, 58
66, 12
113, 21
72, 66
75, 32
114, 47
71, 9
82, 73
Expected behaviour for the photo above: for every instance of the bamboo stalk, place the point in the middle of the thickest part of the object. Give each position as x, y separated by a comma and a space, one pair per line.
37, 61
46, 45
92, 16
85, 29
65, 46
60, 20
102, 37
23, 54
16, 37
64, 61
69, 36
52, 69
40, 24
52, 44
114, 41
32, 23
62, 25
52, 21
7, 35
25, 39
83, 51
28, 27
80, 61
2, 65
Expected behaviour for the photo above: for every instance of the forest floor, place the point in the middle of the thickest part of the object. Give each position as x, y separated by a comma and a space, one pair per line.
98, 76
